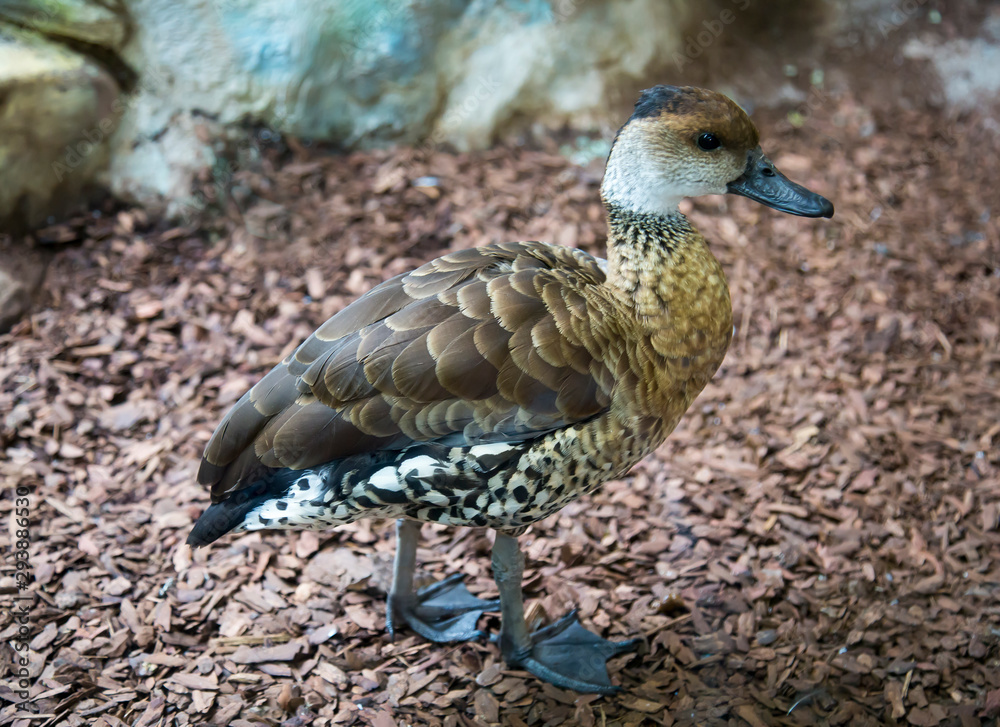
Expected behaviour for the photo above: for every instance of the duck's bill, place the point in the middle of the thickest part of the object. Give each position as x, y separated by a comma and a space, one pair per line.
763, 183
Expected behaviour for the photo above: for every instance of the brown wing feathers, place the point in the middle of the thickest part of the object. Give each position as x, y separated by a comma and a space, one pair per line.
481, 344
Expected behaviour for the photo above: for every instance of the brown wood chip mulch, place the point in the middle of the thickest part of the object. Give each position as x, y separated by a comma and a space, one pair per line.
817, 544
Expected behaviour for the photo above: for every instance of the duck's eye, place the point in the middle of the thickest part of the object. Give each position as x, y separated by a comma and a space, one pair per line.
708, 142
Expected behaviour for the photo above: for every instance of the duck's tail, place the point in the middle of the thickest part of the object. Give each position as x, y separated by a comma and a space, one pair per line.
232, 513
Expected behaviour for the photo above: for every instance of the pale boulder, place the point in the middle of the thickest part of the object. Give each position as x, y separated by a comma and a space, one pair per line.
56, 120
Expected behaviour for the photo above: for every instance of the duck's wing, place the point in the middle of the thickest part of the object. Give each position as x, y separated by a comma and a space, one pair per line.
491, 344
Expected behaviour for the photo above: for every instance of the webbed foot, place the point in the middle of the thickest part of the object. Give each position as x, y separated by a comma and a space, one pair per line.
443, 611
569, 656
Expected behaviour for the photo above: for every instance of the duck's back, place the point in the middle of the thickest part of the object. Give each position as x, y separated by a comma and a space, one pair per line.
495, 344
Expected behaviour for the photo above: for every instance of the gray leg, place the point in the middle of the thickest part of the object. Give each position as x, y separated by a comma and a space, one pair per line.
444, 611
564, 653
508, 570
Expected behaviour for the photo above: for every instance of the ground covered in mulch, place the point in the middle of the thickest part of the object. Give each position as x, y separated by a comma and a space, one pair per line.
818, 542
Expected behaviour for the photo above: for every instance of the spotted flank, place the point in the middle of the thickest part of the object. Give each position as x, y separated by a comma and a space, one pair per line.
503, 485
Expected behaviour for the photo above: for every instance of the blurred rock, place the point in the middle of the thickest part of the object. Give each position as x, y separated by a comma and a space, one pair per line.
363, 72
157, 170
967, 67
83, 20
56, 117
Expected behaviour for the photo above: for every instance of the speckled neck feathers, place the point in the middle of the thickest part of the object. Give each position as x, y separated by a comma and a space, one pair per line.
662, 264
642, 248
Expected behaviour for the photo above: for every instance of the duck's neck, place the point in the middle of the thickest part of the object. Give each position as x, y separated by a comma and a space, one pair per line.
647, 253
662, 269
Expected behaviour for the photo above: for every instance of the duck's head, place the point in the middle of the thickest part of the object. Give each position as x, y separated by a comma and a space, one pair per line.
685, 142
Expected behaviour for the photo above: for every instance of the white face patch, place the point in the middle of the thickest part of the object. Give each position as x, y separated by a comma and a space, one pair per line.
642, 194
641, 177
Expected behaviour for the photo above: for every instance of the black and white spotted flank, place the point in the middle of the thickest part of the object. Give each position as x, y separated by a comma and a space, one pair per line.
503, 485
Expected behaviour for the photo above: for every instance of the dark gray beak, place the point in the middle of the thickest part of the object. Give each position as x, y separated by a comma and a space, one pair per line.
763, 183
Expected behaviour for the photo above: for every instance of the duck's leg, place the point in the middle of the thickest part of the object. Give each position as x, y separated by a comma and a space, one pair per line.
444, 611
564, 653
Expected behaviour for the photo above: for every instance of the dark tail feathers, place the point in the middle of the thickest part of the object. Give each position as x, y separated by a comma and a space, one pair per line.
222, 517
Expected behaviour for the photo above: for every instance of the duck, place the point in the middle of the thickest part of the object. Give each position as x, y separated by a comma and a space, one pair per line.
493, 386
